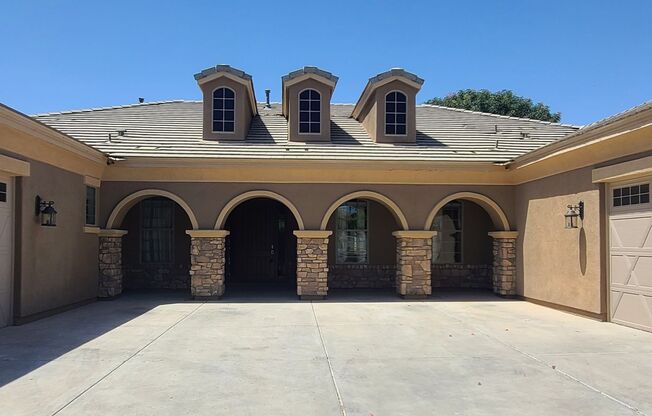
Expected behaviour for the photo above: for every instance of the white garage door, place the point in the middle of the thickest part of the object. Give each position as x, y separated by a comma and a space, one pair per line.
630, 230
6, 251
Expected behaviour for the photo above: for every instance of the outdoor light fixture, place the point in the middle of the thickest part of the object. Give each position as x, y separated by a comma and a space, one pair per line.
45, 209
574, 212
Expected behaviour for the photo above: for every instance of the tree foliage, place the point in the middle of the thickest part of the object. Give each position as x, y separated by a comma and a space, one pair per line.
503, 102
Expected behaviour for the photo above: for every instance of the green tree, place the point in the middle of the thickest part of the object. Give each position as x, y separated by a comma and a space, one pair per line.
503, 102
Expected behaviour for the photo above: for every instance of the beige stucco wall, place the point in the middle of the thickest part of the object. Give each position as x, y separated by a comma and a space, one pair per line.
243, 113
312, 200
57, 266
293, 111
554, 264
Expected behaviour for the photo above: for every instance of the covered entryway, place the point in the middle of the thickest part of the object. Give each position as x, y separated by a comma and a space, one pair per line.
630, 249
156, 248
261, 250
6, 248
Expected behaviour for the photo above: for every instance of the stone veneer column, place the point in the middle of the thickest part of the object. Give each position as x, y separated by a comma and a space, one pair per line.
504, 271
109, 282
312, 264
207, 260
413, 263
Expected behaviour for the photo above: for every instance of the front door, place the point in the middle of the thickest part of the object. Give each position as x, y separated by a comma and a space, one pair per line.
259, 243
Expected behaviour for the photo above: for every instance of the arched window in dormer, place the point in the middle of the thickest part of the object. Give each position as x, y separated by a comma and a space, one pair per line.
395, 113
224, 110
309, 111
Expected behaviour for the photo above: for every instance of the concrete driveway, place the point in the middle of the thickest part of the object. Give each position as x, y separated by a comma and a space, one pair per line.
372, 355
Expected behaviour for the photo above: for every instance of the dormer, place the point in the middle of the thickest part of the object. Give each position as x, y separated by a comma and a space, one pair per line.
307, 96
387, 107
229, 102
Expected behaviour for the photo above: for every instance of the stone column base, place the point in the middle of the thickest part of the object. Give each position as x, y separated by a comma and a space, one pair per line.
109, 282
207, 260
504, 270
413, 263
312, 264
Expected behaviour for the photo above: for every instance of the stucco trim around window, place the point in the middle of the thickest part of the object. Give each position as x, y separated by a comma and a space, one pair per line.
374, 196
121, 209
494, 210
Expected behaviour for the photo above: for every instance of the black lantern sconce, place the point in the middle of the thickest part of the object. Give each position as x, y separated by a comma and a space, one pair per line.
45, 210
574, 212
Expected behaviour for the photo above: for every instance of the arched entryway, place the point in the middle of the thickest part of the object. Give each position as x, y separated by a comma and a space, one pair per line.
156, 248
261, 250
472, 246
362, 247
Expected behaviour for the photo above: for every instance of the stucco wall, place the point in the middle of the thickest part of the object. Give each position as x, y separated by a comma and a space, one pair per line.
312, 200
554, 264
58, 265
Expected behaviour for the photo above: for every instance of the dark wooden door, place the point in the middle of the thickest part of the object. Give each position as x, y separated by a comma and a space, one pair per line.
260, 243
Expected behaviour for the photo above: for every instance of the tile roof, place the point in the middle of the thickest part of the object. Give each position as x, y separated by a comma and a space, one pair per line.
174, 129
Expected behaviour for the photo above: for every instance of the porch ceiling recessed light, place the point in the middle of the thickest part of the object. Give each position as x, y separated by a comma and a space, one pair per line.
573, 213
45, 210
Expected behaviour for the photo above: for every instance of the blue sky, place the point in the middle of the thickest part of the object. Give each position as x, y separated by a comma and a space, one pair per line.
587, 59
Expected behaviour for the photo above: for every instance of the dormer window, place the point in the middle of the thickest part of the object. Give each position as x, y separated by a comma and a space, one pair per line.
396, 113
309, 111
224, 110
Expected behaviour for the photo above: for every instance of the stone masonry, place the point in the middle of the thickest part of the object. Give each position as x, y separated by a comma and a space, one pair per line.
504, 273
413, 263
110, 263
312, 264
207, 261
462, 276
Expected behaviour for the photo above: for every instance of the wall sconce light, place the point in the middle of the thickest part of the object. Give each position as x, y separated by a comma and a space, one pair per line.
45, 210
574, 212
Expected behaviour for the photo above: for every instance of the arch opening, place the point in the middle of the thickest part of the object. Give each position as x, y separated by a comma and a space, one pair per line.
362, 249
156, 248
233, 203
120, 210
261, 250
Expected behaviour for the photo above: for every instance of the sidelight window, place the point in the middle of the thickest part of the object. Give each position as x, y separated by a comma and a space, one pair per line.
91, 205
352, 233
157, 231
447, 244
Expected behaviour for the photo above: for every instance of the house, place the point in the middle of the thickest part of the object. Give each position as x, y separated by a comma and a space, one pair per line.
310, 195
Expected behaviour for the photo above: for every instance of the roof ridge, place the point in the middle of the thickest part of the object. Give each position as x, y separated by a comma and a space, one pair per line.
115, 107
462, 110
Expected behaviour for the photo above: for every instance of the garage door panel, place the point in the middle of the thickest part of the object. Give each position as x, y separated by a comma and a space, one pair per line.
630, 255
620, 269
630, 231
633, 309
6, 250
643, 271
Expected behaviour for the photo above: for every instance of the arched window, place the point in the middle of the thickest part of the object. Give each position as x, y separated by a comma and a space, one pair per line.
395, 113
309, 111
224, 110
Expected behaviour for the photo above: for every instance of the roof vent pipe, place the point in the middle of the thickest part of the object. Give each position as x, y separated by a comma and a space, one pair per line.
267, 103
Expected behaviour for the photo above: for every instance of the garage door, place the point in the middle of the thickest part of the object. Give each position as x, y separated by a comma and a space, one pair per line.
6, 252
630, 224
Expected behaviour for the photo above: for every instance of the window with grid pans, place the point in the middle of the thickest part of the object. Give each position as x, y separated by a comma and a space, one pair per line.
91, 195
631, 195
3, 192
352, 233
157, 231
395, 113
309, 111
447, 244
224, 110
